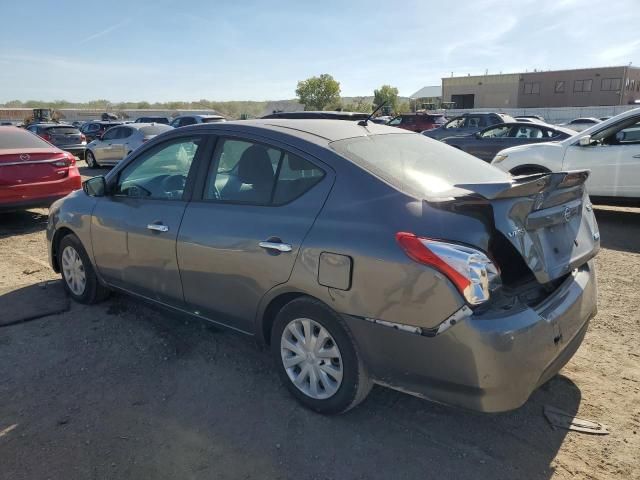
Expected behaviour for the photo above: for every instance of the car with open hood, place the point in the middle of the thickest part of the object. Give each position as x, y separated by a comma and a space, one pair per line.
358, 253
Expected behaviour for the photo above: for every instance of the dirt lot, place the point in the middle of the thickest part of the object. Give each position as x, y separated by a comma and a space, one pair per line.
121, 390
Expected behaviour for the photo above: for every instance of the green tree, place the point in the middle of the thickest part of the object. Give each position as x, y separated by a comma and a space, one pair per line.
318, 93
143, 105
388, 95
403, 107
358, 104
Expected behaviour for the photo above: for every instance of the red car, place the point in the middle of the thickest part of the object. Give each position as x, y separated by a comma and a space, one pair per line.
418, 122
33, 173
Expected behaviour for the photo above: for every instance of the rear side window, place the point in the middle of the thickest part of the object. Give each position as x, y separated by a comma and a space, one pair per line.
253, 173
18, 138
416, 164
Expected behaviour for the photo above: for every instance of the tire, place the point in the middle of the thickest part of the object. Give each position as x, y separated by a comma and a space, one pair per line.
91, 159
74, 264
528, 171
312, 317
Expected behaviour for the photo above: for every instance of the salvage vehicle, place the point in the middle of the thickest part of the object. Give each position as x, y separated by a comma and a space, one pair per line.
467, 124
66, 137
33, 172
360, 253
609, 149
118, 142
489, 141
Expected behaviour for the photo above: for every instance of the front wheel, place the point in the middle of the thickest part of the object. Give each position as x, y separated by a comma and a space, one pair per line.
79, 278
317, 358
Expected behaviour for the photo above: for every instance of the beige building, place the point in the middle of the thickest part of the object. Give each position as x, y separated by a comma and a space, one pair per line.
585, 87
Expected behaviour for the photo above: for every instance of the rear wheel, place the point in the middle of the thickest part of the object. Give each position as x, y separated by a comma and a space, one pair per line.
78, 275
317, 358
91, 160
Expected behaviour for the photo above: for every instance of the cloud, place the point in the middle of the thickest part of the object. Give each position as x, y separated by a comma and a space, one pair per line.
618, 53
105, 31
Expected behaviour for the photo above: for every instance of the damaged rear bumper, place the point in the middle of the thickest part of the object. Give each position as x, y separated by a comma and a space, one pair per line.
489, 362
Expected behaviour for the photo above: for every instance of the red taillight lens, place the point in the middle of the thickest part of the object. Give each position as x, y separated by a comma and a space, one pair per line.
83, 138
470, 270
66, 161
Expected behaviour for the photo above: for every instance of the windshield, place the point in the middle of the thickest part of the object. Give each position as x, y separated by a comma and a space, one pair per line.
416, 164
16, 138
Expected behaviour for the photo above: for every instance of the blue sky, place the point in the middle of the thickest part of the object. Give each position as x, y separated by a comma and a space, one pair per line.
258, 50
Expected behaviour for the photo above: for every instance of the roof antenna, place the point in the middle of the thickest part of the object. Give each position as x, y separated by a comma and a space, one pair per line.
363, 123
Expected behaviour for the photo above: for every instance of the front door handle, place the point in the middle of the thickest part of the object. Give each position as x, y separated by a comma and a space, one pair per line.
280, 247
157, 227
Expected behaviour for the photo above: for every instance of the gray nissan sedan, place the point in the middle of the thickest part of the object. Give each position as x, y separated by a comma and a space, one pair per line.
359, 253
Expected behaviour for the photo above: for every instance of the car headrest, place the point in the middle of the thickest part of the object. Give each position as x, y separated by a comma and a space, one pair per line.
254, 166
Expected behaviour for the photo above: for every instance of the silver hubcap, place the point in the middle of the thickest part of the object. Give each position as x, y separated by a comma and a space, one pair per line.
311, 358
73, 271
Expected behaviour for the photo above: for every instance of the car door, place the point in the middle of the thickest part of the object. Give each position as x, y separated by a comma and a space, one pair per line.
134, 228
613, 158
241, 238
120, 143
102, 149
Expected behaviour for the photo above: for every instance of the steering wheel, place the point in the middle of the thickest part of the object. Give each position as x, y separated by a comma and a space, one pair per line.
174, 183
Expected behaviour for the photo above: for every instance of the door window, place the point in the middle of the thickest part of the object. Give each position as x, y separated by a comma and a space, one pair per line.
396, 121
248, 172
160, 173
475, 122
527, 132
497, 132
110, 134
455, 123
125, 132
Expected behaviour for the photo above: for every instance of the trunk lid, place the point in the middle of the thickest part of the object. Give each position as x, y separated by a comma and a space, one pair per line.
548, 219
31, 165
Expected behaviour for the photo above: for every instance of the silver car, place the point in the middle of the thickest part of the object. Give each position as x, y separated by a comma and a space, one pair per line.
186, 120
118, 142
359, 253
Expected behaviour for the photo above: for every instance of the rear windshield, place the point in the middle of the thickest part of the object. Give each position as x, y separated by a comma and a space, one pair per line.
18, 138
63, 131
154, 129
416, 164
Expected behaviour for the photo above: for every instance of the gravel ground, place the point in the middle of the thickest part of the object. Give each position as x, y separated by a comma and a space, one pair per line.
122, 390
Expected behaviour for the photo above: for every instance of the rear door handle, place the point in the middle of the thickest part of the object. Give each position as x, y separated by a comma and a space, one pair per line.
157, 227
280, 247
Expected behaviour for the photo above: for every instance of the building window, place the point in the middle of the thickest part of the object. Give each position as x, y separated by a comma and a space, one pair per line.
532, 88
559, 86
582, 85
610, 84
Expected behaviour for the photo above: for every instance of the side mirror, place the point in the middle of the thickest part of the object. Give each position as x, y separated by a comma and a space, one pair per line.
95, 187
585, 141
477, 135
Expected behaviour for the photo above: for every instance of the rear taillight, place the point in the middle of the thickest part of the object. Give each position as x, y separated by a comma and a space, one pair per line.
83, 139
470, 270
66, 161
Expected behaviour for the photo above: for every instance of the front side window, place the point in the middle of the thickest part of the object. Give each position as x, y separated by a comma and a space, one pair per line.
160, 173
497, 132
527, 132
111, 134
253, 173
455, 123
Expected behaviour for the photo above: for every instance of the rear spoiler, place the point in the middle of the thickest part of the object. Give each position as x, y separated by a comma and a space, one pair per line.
527, 185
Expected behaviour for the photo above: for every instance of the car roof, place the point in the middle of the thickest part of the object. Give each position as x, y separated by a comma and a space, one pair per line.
325, 129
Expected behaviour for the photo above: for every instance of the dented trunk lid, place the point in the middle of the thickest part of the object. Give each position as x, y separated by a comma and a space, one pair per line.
548, 218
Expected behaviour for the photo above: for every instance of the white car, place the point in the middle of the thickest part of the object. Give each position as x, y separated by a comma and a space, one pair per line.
580, 124
610, 149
